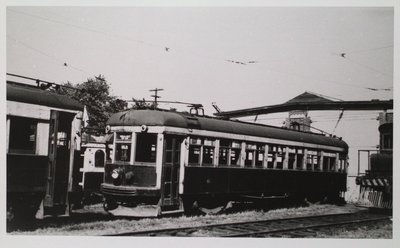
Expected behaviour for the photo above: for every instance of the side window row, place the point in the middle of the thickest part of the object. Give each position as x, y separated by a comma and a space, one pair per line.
222, 152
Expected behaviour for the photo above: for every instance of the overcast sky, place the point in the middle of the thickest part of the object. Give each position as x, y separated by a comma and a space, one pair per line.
196, 53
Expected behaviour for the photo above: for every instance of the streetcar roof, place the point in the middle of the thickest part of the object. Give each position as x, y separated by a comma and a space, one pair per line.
150, 117
31, 94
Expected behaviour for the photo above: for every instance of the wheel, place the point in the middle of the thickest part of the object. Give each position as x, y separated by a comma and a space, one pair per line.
109, 204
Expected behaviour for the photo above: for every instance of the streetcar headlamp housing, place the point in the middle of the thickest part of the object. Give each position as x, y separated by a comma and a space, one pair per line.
115, 174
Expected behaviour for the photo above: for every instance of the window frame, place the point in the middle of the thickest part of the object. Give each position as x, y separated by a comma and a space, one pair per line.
127, 142
11, 140
135, 152
202, 144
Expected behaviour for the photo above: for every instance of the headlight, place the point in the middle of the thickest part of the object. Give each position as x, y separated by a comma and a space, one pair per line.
115, 174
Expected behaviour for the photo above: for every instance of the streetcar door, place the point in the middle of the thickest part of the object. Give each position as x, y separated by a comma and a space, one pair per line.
170, 171
59, 158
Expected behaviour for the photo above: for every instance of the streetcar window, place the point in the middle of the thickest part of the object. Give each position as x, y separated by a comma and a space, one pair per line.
62, 139
146, 147
292, 160
194, 154
123, 147
99, 158
123, 152
271, 157
208, 155
229, 153
299, 159
260, 156
109, 151
223, 152
201, 151
250, 150
279, 157
387, 141
316, 161
332, 164
22, 135
254, 155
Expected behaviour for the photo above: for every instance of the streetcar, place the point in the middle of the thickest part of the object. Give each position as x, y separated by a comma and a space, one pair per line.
43, 144
167, 162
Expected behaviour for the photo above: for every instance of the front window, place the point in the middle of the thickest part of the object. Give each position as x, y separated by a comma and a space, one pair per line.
22, 135
146, 147
123, 144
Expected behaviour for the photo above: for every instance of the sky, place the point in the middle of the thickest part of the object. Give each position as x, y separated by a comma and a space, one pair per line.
191, 53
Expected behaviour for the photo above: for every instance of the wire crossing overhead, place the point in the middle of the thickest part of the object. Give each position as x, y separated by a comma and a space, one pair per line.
307, 102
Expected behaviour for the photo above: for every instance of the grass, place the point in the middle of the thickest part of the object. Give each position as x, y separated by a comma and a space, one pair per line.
111, 225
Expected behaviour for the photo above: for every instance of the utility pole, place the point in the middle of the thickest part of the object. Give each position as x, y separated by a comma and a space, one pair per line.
156, 96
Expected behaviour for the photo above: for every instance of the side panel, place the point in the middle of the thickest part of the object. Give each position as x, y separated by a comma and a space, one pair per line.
26, 173
208, 180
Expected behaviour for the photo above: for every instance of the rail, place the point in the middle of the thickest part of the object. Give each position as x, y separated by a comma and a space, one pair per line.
288, 227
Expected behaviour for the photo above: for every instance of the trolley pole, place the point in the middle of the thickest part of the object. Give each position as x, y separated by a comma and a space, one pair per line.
156, 96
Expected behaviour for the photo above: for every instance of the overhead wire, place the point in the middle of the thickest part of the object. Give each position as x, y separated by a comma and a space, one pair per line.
87, 29
63, 63
234, 61
370, 49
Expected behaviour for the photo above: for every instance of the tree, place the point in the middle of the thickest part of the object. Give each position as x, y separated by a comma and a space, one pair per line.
95, 95
142, 104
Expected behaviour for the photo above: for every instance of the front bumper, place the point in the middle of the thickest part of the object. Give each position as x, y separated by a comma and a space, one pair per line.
129, 191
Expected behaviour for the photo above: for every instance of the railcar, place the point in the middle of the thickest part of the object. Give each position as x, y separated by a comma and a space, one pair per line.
376, 184
171, 162
95, 151
43, 143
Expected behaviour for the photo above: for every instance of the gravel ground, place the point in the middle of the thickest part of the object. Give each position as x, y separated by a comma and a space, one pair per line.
95, 221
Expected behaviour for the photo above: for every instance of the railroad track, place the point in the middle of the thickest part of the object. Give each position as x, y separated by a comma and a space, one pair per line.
288, 227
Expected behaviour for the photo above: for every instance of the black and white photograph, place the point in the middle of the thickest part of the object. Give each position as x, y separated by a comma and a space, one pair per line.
230, 122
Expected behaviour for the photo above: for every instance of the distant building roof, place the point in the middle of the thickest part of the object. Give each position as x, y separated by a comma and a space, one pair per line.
309, 101
308, 97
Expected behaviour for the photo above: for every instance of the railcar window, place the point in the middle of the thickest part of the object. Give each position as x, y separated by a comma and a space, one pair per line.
62, 139
299, 159
254, 155
279, 157
292, 158
387, 141
146, 147
208, 155
332, 163
229, 153
201, 151
194, 154
99, 158
109, 151
250, 149
123, 145
312, 160
316, 161
271, 157
223, 152
260, 153
22, 135
235, 153
309, 161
